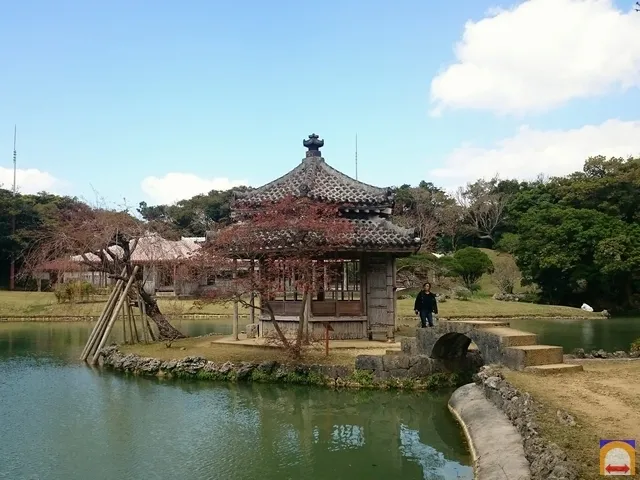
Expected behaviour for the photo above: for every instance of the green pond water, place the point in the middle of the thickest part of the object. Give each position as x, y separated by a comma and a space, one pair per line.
62, 420
610, 334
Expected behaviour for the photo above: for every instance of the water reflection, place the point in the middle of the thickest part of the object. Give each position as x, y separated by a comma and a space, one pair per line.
62, 420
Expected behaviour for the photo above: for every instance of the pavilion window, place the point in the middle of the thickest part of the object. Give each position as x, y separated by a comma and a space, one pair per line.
343, 280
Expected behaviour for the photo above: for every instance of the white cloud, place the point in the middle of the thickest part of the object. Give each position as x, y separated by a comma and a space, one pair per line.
540, 54
30, 180
178, 186
531, 152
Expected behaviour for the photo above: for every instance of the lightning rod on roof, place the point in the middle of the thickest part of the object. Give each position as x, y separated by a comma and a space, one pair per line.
356, 156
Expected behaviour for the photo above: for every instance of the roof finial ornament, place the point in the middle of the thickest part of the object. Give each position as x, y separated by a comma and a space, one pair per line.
313, 144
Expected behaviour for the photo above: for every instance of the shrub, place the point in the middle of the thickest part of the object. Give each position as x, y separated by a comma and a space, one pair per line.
469, 264
635, 346
508, 243
74, 291
474, 288
461, 293
506, 275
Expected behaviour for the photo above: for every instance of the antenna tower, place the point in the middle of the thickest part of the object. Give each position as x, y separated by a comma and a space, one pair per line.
12, 267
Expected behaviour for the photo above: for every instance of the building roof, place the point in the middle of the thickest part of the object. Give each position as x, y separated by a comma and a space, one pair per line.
375, 234
152, 248
378, 233
316, 179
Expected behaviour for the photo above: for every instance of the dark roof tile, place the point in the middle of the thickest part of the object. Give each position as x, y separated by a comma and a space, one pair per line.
318, 180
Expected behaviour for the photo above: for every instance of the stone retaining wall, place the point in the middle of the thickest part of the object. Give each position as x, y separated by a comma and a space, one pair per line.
370, 371
401, 366
581, 353
547, 460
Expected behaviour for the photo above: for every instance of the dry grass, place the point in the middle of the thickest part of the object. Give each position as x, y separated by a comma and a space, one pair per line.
220, 352
604, 400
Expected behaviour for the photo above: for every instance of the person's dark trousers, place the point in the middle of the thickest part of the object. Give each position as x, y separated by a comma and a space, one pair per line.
426, 316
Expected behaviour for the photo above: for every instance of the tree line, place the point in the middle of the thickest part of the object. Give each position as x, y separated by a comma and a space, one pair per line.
575, 237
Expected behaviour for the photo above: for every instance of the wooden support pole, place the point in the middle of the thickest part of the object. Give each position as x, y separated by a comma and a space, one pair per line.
98, 324
146, 322
94, 342
106, 313
114, 315
252, 295
142, 319
132, 320
235, 301
123, 313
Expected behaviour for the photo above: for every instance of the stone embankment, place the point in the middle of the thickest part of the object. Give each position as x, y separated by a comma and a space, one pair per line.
389, 371
547, 461
581, 353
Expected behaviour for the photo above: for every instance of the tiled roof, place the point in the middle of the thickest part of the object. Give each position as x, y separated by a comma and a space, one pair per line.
379, 233
152, 248
318, 180
372, 234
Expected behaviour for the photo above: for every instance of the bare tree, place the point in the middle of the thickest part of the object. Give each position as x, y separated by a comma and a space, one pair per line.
484, 210
102, 240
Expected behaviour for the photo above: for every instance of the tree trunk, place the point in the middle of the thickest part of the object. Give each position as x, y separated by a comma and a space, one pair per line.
278, 330
628, 290
166, 331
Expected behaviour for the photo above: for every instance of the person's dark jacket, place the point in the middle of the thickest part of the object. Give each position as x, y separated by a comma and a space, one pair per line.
426, 301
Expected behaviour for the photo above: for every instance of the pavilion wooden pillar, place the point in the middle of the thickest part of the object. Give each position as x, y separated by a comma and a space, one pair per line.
235, 301
252, 295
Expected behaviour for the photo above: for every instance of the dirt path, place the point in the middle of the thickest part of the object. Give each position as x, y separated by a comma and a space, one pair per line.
604, 399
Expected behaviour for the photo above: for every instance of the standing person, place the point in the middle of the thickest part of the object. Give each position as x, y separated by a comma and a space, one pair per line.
426, 305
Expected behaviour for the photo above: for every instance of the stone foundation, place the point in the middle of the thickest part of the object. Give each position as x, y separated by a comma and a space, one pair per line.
371, 371
547, 460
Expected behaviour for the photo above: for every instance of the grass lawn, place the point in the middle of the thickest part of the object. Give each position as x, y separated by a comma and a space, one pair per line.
604, 400
488, 307
44, 304
220, 352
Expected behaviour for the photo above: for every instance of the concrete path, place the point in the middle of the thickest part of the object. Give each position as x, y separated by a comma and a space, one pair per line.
496, 445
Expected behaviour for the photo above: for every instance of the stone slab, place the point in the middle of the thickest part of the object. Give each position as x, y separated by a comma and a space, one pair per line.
518, 358
555, 368
495, 444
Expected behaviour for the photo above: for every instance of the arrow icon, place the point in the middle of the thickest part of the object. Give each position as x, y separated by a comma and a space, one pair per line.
617, 468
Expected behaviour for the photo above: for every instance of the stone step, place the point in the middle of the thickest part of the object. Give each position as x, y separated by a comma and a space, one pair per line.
510, 337
555, 368
518, 358
393, 351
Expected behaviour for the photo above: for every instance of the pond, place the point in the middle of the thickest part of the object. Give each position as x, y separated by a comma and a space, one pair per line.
610, 334
64, 420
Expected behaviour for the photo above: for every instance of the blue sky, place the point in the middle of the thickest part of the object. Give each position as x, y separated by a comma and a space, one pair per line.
111, 98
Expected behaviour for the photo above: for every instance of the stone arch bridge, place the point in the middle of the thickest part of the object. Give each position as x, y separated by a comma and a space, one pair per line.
496, 341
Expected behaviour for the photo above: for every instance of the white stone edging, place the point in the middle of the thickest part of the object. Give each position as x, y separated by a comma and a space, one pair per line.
495, 444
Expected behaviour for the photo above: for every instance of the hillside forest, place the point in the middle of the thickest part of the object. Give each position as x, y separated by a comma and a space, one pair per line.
574, 238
